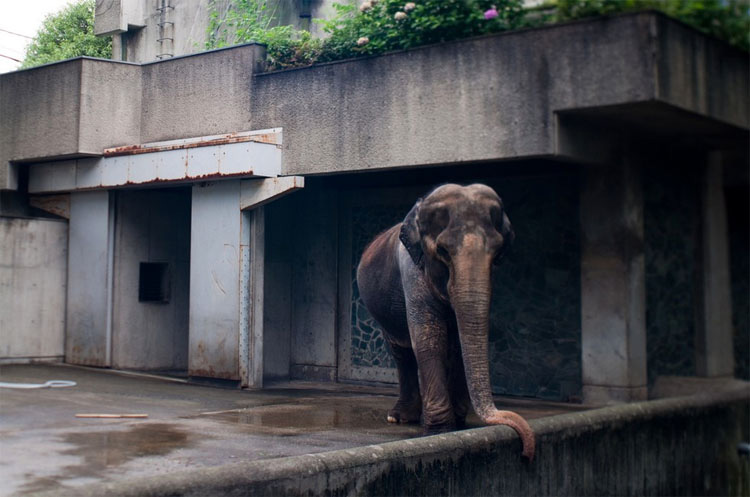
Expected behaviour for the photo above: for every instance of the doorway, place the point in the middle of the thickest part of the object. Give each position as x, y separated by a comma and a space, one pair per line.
150, 313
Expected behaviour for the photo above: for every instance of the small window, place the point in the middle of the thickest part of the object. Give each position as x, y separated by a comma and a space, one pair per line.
153, 283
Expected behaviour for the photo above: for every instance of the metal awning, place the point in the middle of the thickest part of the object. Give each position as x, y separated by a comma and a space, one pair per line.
248, 154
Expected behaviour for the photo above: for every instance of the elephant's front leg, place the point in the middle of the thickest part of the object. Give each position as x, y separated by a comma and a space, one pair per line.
408, 408
429, 340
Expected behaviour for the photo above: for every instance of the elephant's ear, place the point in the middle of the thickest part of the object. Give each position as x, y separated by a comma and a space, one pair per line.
409, 236
508, 236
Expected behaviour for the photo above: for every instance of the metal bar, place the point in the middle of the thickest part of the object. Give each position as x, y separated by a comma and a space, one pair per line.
272, 136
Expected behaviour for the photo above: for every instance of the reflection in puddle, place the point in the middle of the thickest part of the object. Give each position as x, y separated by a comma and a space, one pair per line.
113, 448
103, 450
321, 415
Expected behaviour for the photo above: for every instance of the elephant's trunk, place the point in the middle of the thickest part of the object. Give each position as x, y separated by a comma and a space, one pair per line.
470, 291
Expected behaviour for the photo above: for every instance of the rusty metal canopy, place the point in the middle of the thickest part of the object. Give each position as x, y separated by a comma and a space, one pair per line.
236, 155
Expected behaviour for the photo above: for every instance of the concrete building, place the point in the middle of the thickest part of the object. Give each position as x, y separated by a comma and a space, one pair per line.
148, 30
215, 213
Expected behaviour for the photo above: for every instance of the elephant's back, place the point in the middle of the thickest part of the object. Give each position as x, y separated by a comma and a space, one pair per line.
379, 282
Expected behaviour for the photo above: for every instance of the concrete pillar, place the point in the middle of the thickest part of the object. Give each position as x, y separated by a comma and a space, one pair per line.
252, 298
613, 318
215, 255
714, 346
90, 269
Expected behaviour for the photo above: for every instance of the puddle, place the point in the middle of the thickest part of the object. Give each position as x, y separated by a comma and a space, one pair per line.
320, 415
101, 451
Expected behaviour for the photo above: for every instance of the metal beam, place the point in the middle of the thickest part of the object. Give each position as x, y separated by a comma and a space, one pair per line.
249, 154
258, 192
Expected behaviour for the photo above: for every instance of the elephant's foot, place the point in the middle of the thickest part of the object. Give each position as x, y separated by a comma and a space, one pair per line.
403, 413
437, 429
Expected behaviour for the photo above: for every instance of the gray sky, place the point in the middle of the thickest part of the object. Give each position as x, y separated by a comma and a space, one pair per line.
22, 17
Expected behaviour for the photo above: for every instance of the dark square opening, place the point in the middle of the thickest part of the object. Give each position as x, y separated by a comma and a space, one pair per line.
153, 282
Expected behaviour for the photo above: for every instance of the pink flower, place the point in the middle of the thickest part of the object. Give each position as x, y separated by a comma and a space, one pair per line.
400, 16
363, 41
491, 14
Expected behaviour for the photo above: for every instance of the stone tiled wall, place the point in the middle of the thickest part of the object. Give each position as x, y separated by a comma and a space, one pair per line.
671, 232
368, 346
535, 316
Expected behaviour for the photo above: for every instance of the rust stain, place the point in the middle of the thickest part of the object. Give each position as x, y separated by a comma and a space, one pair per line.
270, 138
56, 204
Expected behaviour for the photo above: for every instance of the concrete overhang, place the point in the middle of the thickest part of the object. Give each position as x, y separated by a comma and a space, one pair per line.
250, 154
508, 96
76, 109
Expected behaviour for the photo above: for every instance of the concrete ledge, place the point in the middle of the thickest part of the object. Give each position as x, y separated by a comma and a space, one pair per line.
680, 446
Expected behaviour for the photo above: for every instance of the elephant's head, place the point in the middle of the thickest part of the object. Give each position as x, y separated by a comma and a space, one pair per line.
455, 235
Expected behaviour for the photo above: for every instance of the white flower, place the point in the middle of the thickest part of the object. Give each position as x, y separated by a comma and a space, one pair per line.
363, 41
365, 6
409, 6
400, 16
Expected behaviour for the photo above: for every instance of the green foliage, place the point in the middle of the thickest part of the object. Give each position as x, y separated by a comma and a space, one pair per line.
67, 34
389, 25
251, 20
728, 20
379, 26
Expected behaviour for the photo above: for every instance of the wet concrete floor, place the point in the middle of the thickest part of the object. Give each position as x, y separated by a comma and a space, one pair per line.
44, 447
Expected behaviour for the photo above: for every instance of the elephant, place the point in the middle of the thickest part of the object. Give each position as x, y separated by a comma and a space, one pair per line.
427, 282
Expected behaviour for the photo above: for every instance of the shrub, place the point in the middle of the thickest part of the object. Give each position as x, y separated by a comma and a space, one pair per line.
66, 34
379, 26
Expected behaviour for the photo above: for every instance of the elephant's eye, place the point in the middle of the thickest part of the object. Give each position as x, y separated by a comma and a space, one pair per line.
443, 253
435, 220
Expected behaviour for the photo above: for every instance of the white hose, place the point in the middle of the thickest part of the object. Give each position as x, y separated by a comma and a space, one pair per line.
49, 384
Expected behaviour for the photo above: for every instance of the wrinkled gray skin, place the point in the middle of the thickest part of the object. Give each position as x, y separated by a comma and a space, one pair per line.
427, 281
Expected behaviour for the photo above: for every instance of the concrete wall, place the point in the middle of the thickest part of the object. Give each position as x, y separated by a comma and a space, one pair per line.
682, 446
314, 286
488, 98
152, 226
214, 280
301, 289
33, 262
198, 96
88, 327
77, 108
482, 99
277, 315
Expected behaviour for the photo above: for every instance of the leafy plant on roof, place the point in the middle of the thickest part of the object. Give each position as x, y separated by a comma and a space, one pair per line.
728, 20
378, 26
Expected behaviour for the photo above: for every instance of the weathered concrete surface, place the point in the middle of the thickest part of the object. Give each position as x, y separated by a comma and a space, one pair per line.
71, 108
215, 250
45, 447
680, 446
714, 346
613, 290
199, 95
33, 275
79, 107
152, 226
481, 99
88, 331
494, 97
